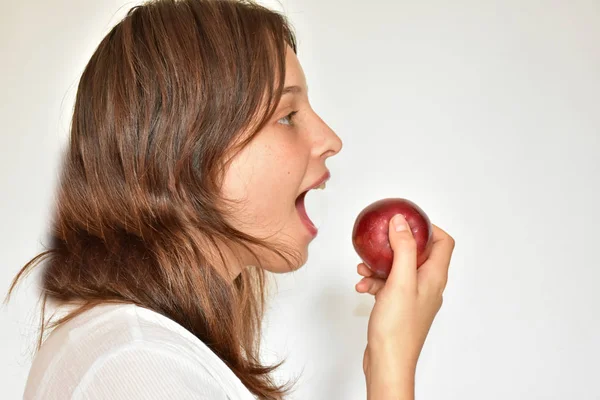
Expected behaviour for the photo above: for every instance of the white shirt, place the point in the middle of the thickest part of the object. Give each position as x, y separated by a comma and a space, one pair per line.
127, 352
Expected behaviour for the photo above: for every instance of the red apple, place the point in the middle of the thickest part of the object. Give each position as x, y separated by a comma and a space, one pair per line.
370, 234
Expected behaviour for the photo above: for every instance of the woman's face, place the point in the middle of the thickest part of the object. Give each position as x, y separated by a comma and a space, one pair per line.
284, 160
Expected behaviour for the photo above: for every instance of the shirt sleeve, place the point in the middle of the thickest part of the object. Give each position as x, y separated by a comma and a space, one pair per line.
142, 371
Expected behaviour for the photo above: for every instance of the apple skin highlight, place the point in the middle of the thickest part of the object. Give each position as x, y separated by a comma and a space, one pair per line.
370, 235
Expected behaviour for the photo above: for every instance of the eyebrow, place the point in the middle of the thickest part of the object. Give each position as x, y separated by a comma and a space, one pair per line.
291, 89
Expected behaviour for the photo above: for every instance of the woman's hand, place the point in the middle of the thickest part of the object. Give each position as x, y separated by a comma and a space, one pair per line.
405, 307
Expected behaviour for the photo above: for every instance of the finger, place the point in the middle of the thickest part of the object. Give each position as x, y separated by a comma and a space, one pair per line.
438, 262
442, 249
363, 270
404, 246
370, 285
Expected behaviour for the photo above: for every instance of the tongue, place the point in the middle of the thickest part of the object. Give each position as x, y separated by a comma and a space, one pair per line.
302, 210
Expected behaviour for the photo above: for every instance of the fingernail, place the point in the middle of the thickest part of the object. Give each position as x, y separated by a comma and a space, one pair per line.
399, 223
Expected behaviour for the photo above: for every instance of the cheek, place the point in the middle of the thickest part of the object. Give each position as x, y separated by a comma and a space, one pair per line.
272, 195
276, 178
265, 185
267, 202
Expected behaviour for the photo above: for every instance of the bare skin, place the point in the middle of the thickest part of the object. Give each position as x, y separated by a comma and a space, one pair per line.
285, 158
405, 307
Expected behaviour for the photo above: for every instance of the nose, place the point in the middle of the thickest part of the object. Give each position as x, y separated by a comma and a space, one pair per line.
326, 143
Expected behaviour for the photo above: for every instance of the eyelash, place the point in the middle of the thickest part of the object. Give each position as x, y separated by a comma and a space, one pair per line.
289, 117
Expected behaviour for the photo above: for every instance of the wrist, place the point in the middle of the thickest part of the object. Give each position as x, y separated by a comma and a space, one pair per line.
389, 380
390, 355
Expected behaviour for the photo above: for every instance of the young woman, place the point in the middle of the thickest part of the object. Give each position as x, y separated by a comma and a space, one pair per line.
192, 144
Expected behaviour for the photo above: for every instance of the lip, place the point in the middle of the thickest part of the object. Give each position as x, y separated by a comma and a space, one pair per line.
318, 183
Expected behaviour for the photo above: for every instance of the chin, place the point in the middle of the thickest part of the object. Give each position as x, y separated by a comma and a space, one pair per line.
280, 266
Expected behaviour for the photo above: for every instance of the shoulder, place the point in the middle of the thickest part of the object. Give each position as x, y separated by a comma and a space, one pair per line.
126, 352
145, 370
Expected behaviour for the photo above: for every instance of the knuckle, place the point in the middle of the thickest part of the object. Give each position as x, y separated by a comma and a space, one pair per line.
441, 284
441, 281
374, 288
436, 286
434, 297
451, 242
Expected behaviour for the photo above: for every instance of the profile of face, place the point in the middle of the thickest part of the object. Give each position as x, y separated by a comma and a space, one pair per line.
269, 176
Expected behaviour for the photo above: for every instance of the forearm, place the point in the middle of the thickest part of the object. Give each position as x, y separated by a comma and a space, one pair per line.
387, 380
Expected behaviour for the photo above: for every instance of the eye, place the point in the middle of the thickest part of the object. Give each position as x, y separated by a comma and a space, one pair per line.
288, 119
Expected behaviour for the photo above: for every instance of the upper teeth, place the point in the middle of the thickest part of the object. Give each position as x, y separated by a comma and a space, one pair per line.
321, 186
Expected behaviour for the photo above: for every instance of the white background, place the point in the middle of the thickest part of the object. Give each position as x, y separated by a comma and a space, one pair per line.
485, 113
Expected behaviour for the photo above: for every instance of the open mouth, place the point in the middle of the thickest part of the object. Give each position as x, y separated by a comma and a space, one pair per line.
301, 207
304, 216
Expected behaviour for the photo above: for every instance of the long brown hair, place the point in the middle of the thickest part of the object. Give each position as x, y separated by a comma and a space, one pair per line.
170, 95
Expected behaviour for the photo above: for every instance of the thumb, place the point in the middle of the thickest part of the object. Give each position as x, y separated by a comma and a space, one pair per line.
404, 246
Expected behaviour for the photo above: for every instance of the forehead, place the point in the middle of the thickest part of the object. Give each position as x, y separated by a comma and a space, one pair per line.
294, 75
